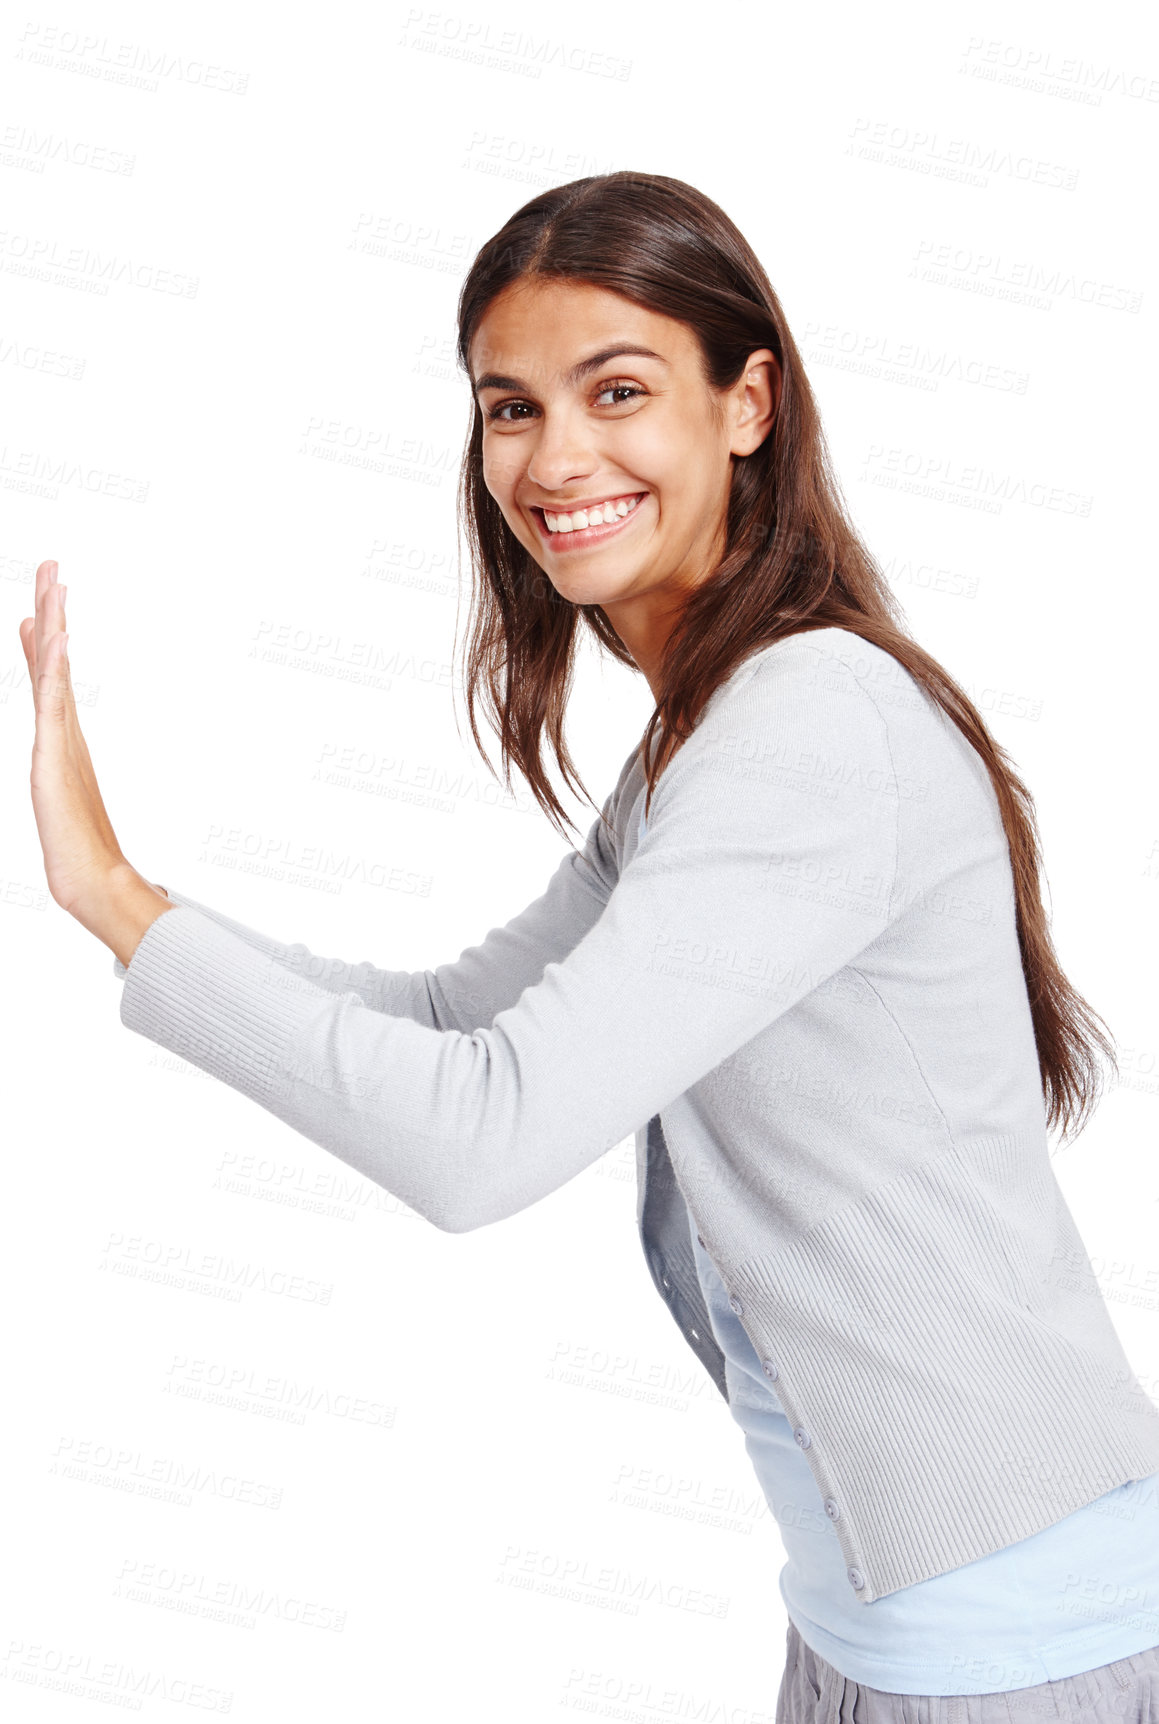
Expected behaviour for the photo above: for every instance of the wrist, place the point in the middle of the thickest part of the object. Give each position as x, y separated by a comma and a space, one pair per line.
125, 908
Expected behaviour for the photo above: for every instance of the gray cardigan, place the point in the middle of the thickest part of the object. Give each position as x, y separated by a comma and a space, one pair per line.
801, 989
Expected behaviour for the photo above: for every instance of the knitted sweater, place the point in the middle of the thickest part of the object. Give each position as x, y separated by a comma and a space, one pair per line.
801, 990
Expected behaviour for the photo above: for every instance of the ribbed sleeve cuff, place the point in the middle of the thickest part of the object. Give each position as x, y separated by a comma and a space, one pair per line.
119, 969
208, 996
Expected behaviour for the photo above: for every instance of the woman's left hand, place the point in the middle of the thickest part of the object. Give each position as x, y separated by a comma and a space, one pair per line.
87, 872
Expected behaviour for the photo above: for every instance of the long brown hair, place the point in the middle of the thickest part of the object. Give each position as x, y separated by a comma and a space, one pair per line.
793, 560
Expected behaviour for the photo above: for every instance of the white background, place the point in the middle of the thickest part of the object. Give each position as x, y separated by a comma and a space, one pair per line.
225, 278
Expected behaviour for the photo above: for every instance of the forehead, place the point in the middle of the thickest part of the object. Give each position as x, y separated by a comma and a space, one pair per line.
542, 327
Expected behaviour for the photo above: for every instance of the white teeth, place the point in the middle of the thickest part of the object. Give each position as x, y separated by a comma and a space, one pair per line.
595, 517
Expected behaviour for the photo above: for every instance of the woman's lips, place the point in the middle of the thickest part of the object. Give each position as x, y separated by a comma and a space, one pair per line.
581, 536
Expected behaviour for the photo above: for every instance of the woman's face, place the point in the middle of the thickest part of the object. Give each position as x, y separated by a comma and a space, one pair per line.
572, 420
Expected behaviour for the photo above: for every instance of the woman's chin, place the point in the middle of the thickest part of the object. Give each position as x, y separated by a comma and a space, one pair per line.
592, 589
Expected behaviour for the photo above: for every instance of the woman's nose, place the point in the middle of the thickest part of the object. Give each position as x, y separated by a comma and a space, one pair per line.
562, 453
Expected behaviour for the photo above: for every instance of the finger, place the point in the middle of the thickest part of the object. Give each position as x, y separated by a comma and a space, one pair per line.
49, 616
45, 577
38, 638
54, 693
52, 618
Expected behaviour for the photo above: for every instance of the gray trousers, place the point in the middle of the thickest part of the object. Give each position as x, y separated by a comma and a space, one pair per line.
1125, 1692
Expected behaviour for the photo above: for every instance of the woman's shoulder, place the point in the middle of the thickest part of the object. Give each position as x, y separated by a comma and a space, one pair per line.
815, 668
831, 702
832, 705
822, 701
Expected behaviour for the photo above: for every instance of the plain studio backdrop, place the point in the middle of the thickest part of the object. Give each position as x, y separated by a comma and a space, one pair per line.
255, 1461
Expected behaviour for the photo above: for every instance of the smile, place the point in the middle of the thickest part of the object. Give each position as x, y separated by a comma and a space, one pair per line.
587, 526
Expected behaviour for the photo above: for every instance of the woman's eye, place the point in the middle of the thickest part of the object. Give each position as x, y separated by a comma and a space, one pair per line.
497, 412
620, 389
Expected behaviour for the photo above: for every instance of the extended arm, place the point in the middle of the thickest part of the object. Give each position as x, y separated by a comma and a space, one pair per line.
467, 993
704, 940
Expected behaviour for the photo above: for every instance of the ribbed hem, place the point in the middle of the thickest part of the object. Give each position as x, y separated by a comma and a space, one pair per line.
210, 998
951, 1425
252, 936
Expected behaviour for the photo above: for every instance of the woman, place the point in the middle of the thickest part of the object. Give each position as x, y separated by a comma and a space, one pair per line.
802, 955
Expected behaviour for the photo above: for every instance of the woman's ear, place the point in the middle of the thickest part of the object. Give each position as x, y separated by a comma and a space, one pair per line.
757, 396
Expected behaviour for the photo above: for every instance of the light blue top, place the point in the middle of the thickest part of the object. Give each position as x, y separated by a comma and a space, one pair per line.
1078, 1594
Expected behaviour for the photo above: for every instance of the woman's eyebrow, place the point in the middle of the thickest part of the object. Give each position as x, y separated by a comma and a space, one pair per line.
581, 369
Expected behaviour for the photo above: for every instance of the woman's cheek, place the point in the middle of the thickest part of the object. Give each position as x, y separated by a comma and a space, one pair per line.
499, 473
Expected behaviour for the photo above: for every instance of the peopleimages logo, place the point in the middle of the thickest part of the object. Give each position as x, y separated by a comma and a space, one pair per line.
998, 277
923, 149
129, 63
883, 358
943, 478
1044, 71
478, 42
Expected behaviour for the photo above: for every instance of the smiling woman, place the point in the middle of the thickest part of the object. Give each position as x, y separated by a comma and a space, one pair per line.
622, 453
802, 956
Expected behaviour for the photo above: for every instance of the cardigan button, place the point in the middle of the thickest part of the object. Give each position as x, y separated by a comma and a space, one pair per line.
664, 1281
803, 1436
856, 1578
831, 1508
770, 1369
735, 1303
700, 1238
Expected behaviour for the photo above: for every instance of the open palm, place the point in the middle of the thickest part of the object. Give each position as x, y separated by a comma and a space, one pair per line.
76, 835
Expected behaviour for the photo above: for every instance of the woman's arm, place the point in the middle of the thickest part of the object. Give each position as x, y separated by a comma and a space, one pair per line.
468, 993
712, 930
